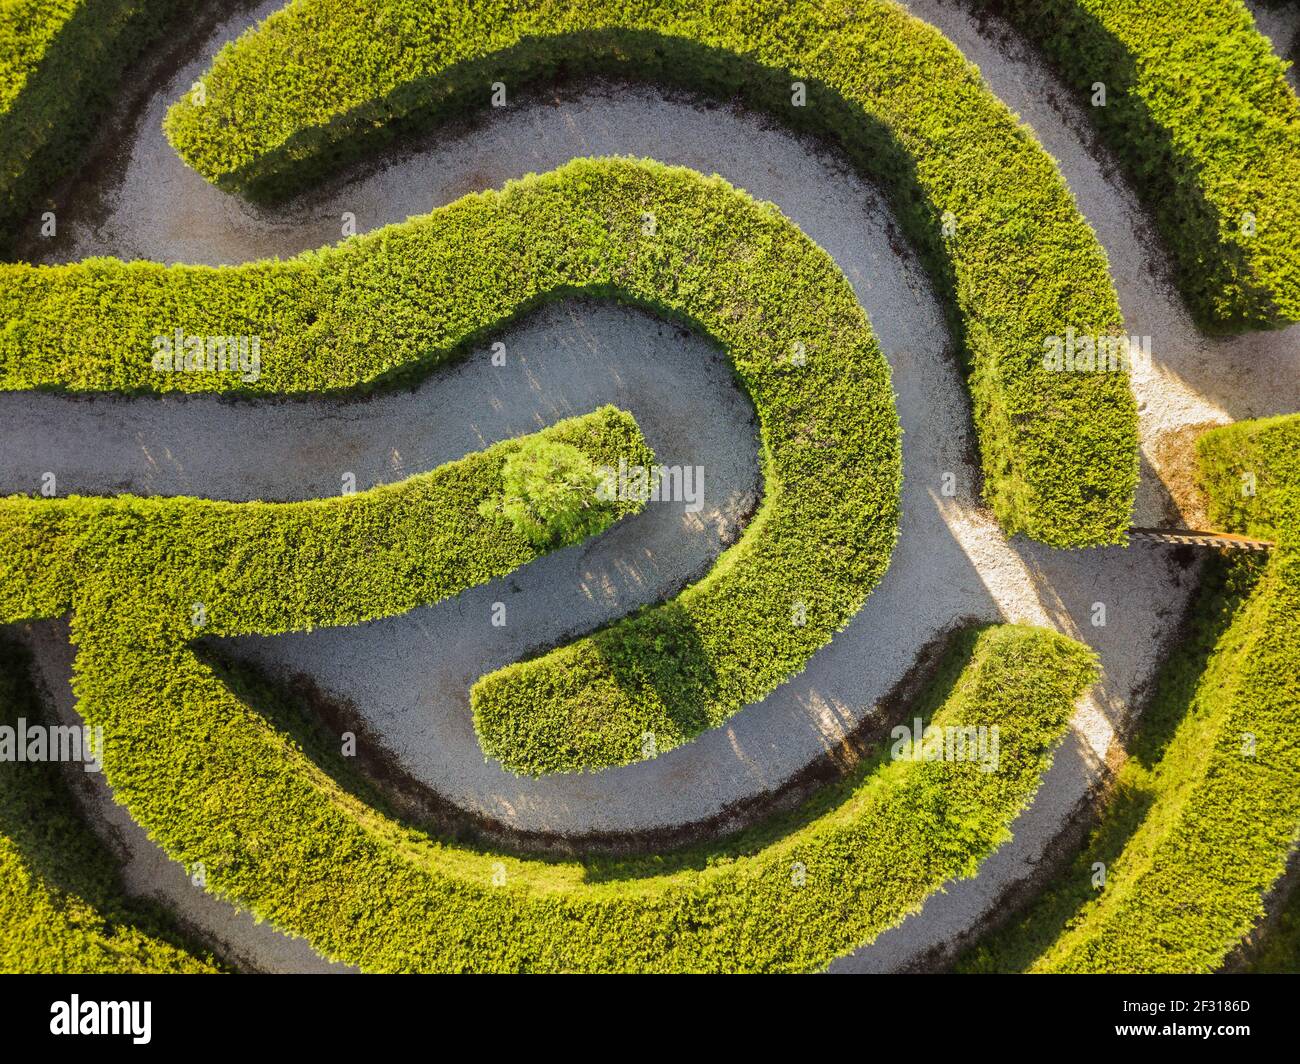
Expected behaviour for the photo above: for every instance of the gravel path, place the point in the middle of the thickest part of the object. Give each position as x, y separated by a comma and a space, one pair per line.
1281, 25
951, 562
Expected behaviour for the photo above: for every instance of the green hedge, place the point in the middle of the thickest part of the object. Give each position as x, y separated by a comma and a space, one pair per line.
214, 781
1251, 471
262, 568
408, 296
61, 906
325, 81
1199, 111
61, 62
1197, 832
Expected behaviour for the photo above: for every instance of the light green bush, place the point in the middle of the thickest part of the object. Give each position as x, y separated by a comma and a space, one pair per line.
550, 494
1251, 471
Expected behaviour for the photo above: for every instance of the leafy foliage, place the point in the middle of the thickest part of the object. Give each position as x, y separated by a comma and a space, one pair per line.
1198, 108
61, 906
324, 81
549, 494
412, 295
263, 568
1251, 471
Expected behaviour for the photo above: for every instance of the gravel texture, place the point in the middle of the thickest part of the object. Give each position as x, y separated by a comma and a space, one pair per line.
1280, 23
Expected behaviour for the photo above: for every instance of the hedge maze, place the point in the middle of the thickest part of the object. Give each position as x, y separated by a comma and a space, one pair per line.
1193, 831
1205, 814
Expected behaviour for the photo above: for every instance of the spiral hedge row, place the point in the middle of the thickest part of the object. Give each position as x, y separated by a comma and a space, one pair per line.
1201, 829
213, 781
324, 81
217, 782
412, 295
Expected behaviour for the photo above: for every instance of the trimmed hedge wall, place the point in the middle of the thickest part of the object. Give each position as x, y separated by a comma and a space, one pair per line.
325, 81
60, 65
1251, 473
61, 906
406, 297
233, 568
1199, 111
1199, 830
213, 780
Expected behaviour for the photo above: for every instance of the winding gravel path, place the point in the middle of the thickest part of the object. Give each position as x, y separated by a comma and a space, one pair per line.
410, 675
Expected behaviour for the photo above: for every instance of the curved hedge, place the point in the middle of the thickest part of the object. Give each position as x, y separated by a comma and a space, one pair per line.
1199, 111
263, 568
398, 300
1200, 828
61, 906
325, 81
213, 781
60, 64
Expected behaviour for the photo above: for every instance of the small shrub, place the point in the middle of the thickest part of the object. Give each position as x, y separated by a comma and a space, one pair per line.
550, 494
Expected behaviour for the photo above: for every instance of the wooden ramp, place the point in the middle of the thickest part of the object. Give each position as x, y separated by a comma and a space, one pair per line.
1192, 538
